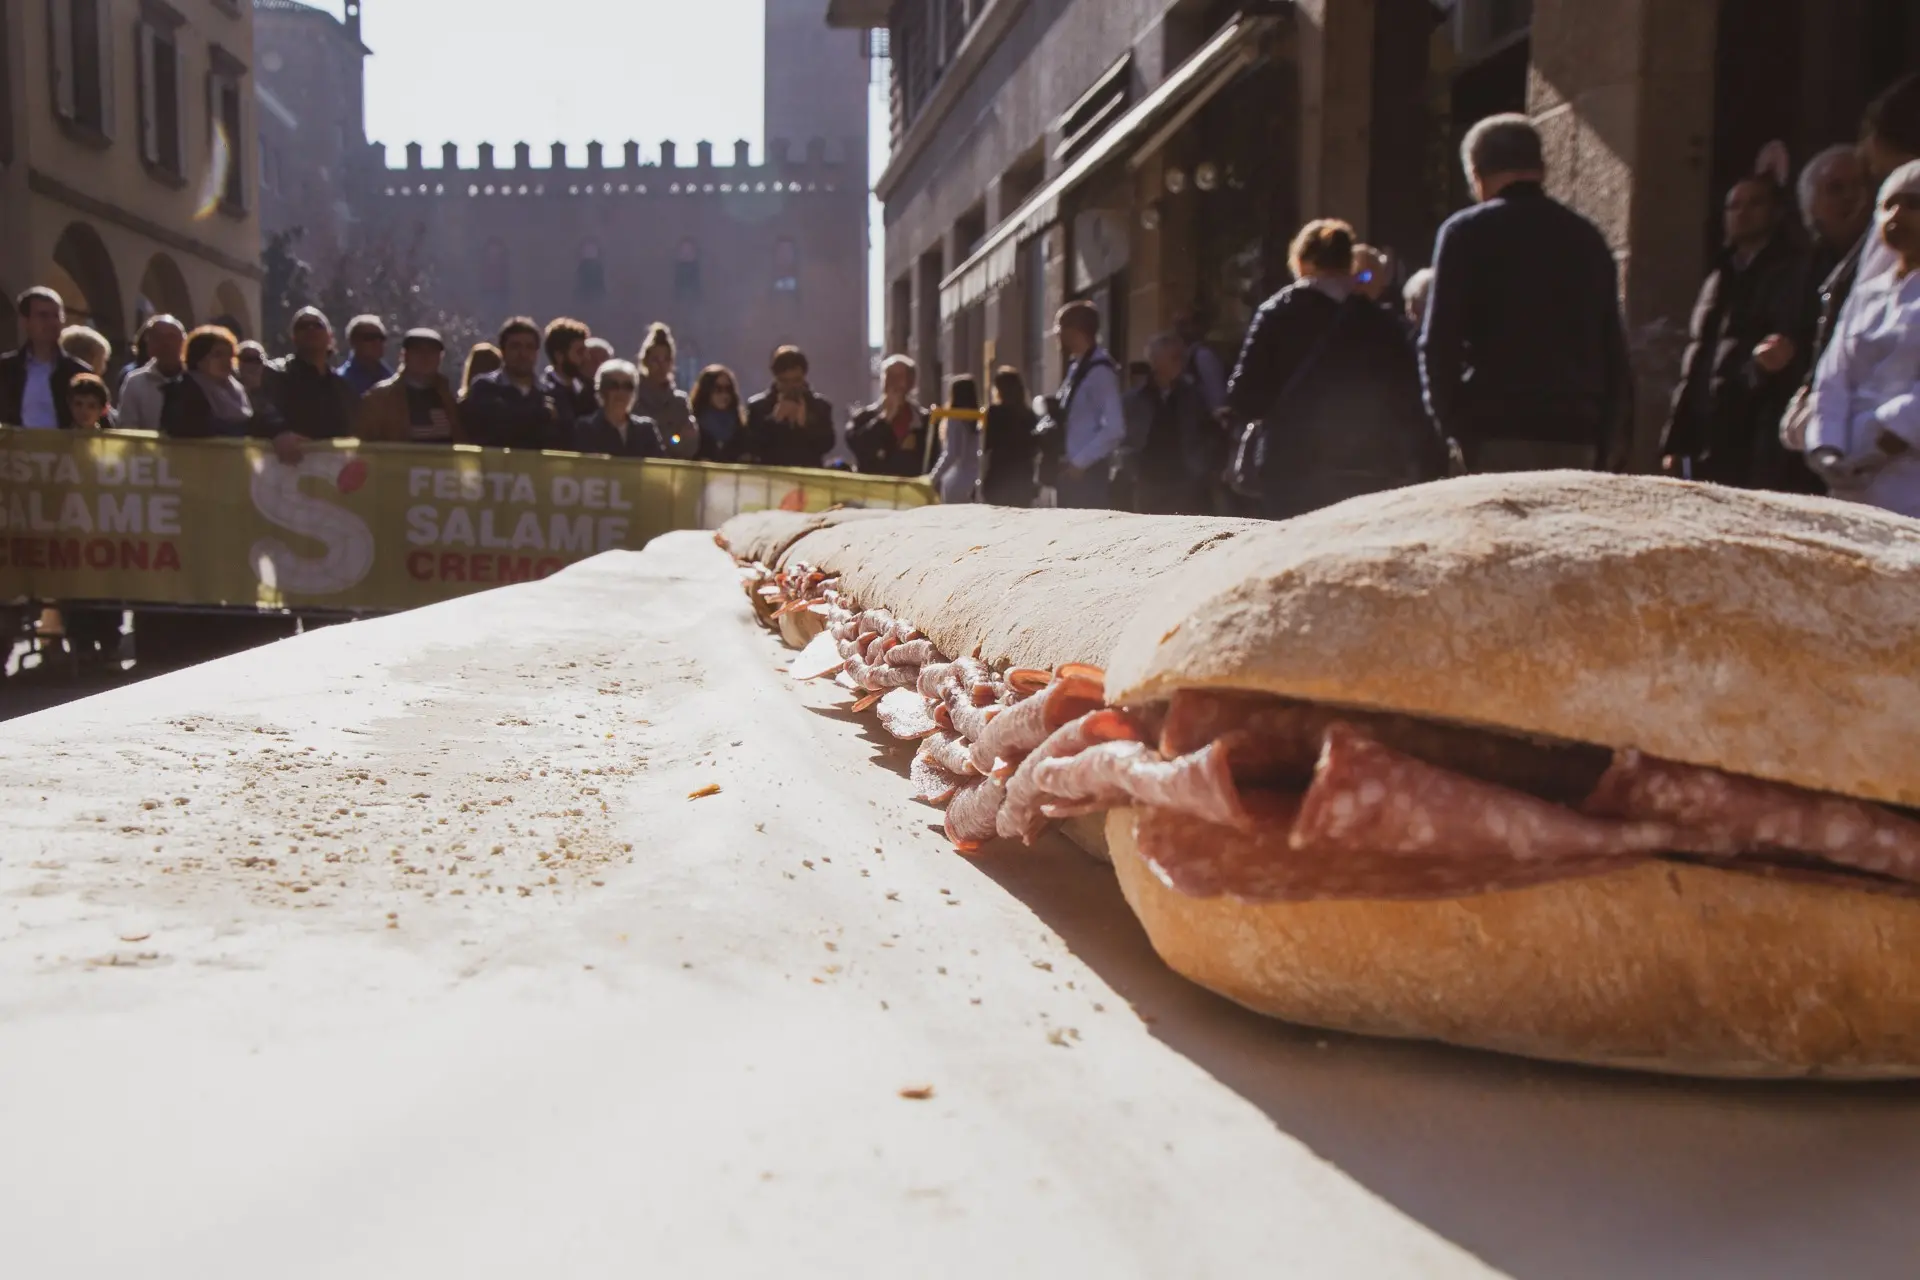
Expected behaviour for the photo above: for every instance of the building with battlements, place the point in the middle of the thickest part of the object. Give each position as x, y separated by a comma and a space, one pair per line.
739, 257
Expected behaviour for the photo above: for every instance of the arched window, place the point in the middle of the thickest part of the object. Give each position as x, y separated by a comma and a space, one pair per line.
495, 273
786, 265
686, 269
589, 275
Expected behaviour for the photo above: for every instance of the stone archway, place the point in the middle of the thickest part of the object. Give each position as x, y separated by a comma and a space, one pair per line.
230, 309
84, 274
163, 291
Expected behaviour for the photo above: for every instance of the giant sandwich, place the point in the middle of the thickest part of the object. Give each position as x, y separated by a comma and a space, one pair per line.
1607, 770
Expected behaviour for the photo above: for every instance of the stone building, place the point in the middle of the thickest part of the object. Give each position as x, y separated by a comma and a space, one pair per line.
738, 256
1156, 155
126, 161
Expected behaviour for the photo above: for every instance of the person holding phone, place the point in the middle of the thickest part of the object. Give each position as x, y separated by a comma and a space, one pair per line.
787, 424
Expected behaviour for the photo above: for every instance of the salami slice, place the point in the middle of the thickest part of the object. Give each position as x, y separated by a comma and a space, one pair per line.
972, 813
932, 783
1112, 775
882, 678
821, 657
1022, 818
1018, 730
971, 721
1722, 814
1277, 744
948, 752
932, 676
911, 653
1204, 860
903, 713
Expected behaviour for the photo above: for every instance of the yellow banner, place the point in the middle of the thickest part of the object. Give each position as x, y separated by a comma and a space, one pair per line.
127, 516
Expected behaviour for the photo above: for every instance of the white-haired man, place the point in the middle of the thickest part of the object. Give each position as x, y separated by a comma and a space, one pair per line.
143, 393
1524, 355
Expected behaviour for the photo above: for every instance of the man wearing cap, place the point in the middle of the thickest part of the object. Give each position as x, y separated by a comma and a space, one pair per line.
367, 367
416, 405
308, 397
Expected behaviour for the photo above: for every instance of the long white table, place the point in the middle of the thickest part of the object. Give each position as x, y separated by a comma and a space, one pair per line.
400, 950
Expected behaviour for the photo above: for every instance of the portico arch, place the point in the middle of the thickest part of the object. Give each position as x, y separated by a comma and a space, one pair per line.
84, 275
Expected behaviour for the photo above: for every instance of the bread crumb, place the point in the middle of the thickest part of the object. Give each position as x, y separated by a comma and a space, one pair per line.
917, 1092
711, 789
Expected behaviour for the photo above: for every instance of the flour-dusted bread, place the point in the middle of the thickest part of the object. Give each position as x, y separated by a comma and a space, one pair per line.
1772, 636
1660, 967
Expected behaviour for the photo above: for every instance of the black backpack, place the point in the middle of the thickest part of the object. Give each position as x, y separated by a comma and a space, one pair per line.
1050, 433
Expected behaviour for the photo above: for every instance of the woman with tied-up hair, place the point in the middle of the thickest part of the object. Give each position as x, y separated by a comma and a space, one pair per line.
957, 473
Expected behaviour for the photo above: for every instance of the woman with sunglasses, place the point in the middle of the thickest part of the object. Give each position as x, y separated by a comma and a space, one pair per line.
719, 413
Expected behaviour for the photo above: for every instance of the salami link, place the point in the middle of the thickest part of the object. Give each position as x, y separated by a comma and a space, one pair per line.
1719, 814
1022, 817
903, 713
973, 811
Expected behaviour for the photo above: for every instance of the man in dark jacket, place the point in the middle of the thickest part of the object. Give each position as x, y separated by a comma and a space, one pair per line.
787, 424
1174, 446
509, 408
1741, 363
34, 380
1523, 355
565, 343
889, 436
308, 399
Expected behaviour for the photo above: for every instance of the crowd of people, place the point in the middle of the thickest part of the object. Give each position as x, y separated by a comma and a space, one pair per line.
208, 383
1802, 371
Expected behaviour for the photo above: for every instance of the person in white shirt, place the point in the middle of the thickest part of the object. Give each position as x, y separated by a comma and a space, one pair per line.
1096, 419
35, 378
143, 392
1864, 439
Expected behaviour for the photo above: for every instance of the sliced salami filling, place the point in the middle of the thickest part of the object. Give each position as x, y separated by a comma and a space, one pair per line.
1723, 814
932, 783
1023, 818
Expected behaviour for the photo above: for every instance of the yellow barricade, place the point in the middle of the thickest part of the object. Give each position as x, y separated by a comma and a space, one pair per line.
358, 528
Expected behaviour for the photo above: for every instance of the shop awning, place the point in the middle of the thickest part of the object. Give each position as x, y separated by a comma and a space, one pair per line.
1198, 79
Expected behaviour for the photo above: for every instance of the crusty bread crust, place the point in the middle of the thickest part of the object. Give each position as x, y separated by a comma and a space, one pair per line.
763, 536
1023, 588
1663, 967
1762, 634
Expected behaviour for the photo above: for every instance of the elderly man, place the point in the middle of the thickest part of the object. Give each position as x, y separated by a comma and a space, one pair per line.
144, 391
1523, 356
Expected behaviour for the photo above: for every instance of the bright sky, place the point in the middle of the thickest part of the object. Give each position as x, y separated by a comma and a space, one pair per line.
473, 71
